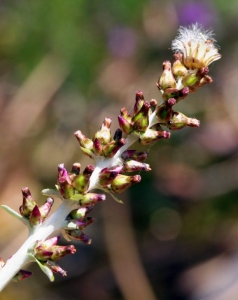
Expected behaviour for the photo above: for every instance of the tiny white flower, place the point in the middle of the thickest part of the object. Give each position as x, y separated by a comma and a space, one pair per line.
197, 46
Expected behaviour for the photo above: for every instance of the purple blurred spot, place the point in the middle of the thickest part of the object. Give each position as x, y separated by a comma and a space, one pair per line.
122, 42
200, 12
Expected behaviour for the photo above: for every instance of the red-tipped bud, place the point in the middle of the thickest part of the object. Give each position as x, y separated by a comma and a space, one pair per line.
35, 217
150, 136
127, 154
91, 198
83, 140
65, 187
78, 235
122, 182
178, 69
78, 214
166, 79
28, 203
141, 119
179, 121
164, 111
97, 147
46, 207
125, 125
107, 175
55, 268
61, 251
104, 134
134, 166
81, 181
140, 156
81, 224
139, 102
125, 114
22, 274
111, 148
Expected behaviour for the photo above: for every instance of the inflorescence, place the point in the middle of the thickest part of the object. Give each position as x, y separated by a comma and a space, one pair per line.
194, 50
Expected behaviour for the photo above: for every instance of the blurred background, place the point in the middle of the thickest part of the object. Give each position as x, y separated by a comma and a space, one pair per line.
64, 66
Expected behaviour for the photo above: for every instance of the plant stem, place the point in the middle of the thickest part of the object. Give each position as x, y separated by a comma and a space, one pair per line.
21, 257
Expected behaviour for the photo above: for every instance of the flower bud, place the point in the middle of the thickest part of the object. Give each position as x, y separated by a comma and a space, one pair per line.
60, 251
28, 203
104, 134
97, 147
78, 235
179, 120
178, 69
55, 268
35, 217
64, 182
76, 168
139, 102
78, 214
139, 156
117, 135
150, 136
125, 125
107, 175
21, 274
176, 94
122, 182
127, 154
164, 111
46, 207
125, 114
91, 198
191, 79
166, 79
133, 166
141, 119
111, 148
81, 181
83, 140
81, 224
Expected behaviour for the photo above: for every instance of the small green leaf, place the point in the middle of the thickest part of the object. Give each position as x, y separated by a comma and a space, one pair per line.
16, 215
46, 270
51, 193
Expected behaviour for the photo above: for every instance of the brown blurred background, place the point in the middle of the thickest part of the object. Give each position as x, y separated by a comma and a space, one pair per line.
64, 66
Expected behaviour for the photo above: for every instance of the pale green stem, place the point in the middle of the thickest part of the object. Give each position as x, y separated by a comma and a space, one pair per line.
21, 257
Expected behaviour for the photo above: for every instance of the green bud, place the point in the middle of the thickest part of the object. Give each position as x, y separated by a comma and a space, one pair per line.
84, 142
104, 134
28, 203
107, 175
125, 114
125, 125
178, 69
122, 182
81, 181
150, 136
166, 79
179, 121
111, 148
139, 102
91, 199
164, 111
